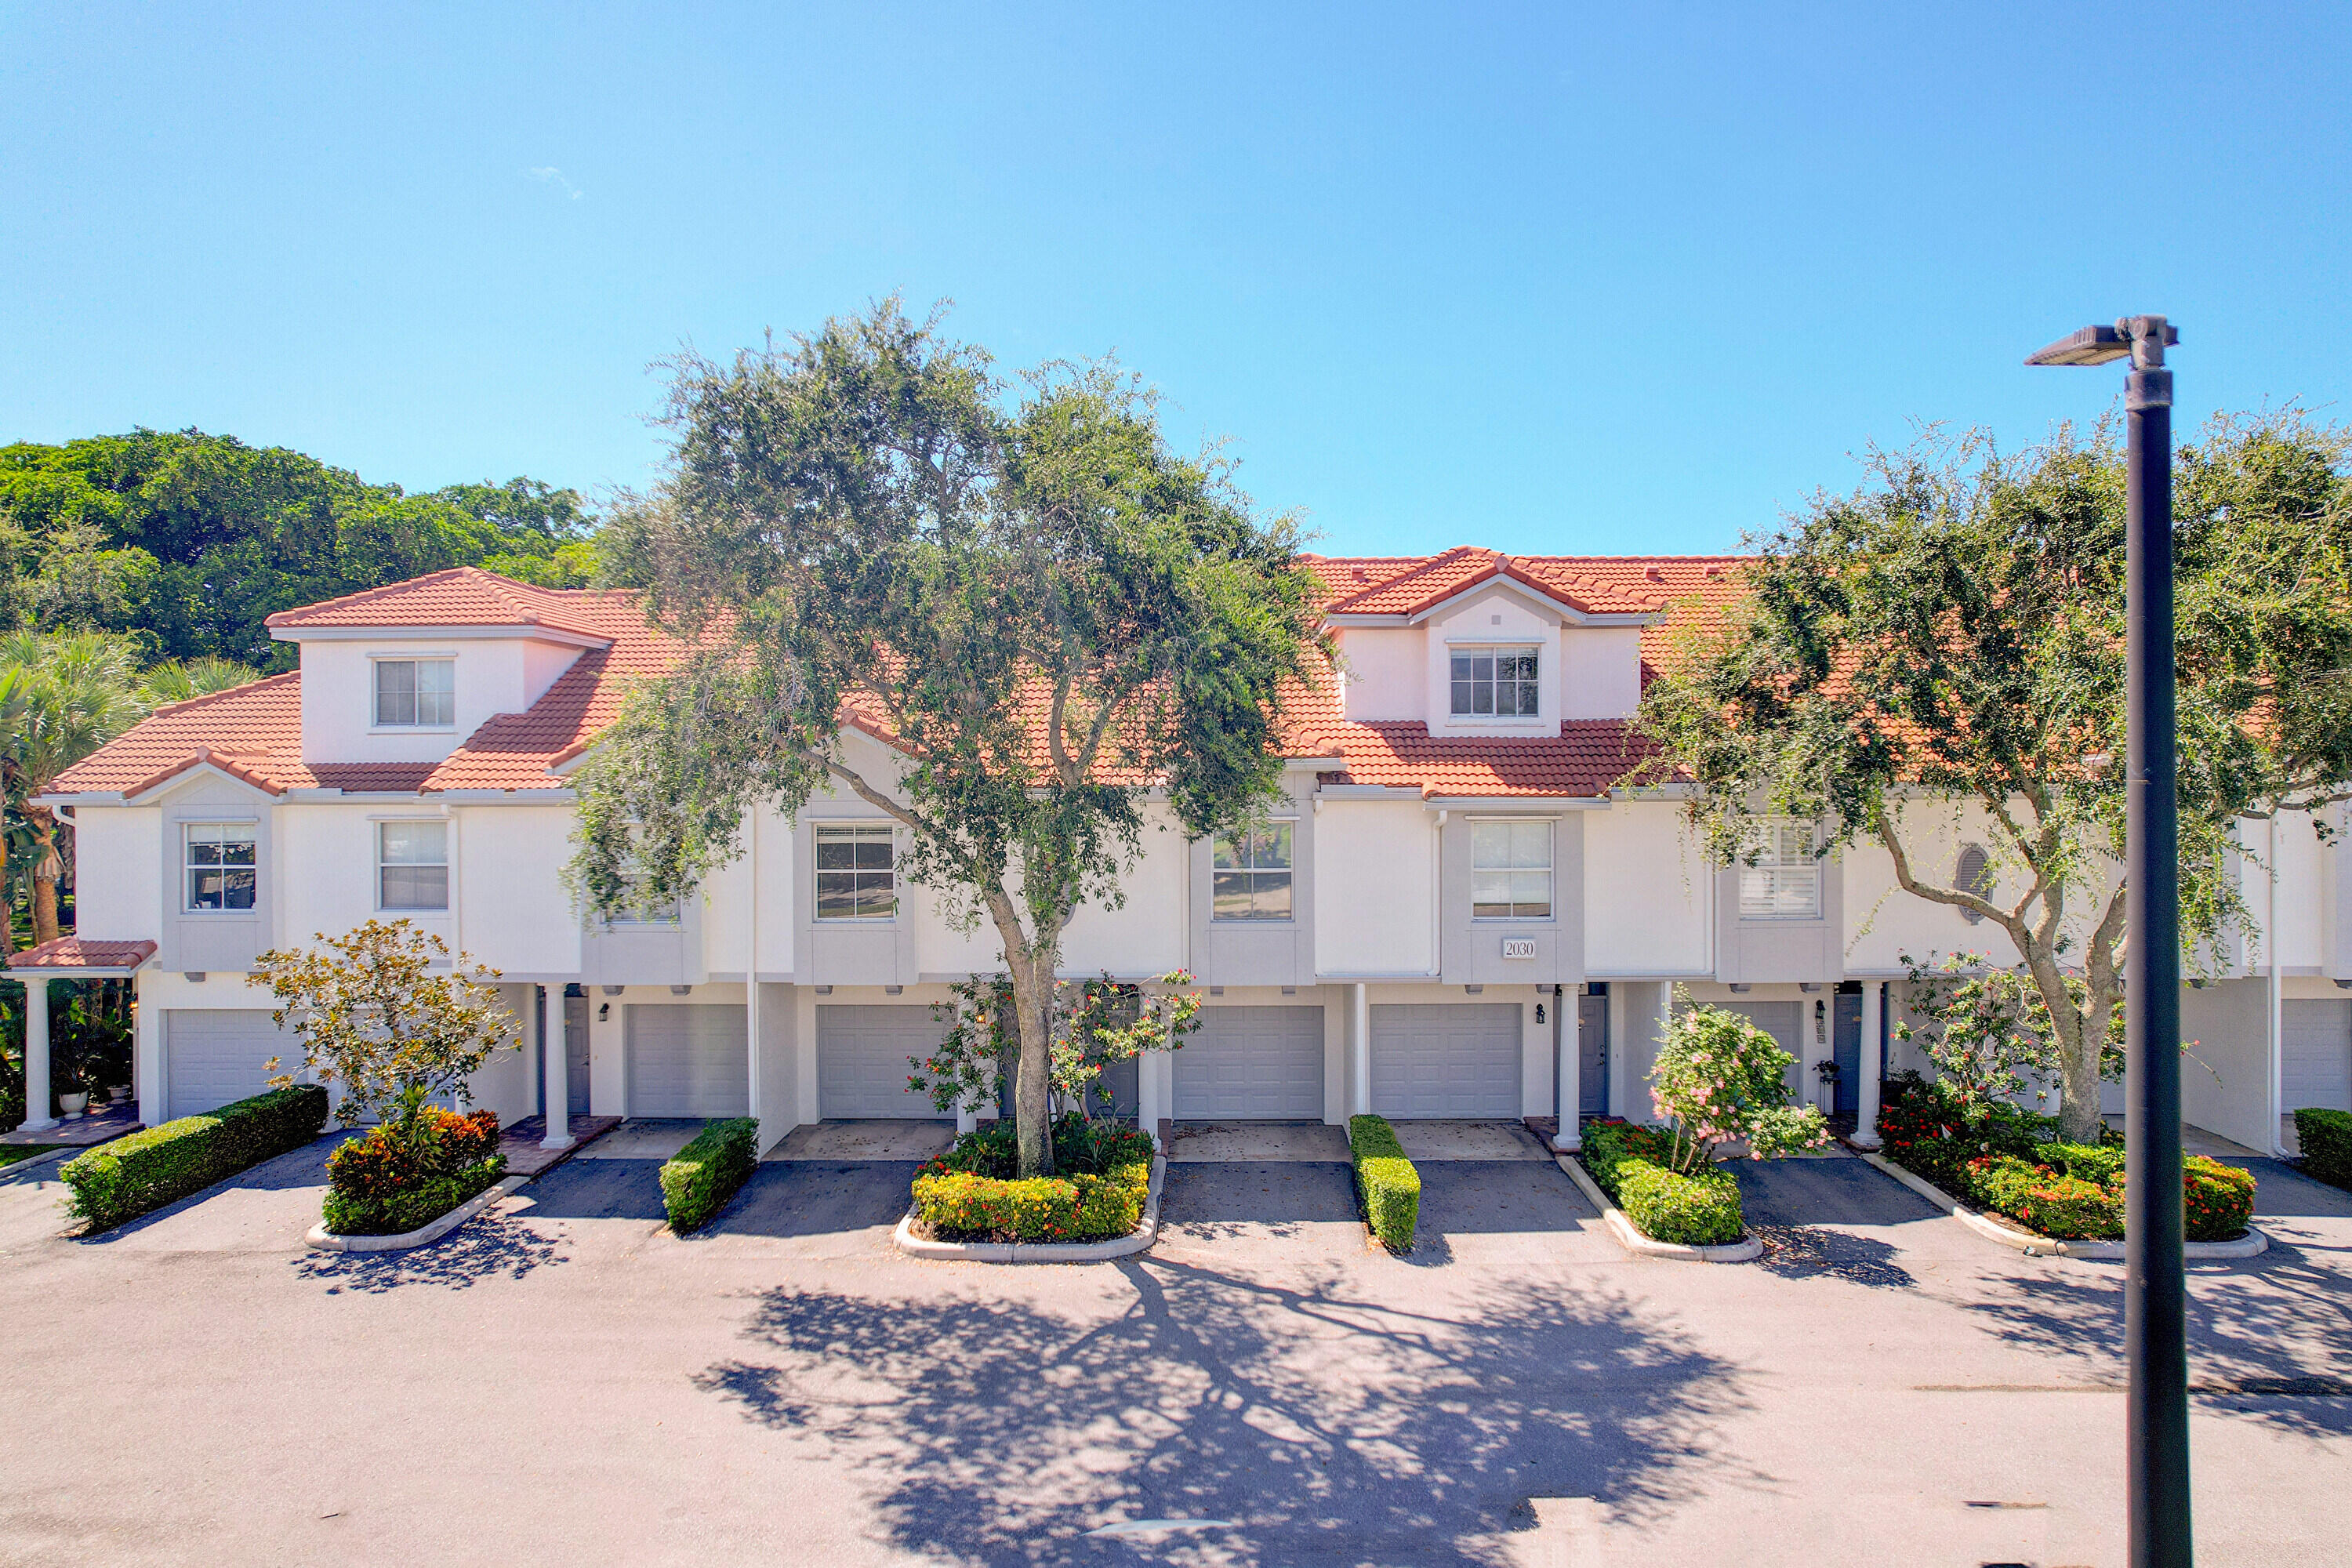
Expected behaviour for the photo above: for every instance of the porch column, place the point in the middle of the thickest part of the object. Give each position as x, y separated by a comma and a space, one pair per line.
1873, 1020
555, 1072
36, 1051
1359, 1051
1569, 1093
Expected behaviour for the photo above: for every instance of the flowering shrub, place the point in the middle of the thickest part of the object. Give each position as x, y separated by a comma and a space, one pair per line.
1987, 1030
1718, 1078
1097, 1023
2076, 1192
1080, 1147
1931, 1126
2217, 1200
957, 1205
400, 1177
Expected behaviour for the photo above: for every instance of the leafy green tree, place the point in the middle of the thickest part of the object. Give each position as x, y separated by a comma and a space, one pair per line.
1952, 633
388, 1014
189, 541
1053, 618
176, 680
65, 695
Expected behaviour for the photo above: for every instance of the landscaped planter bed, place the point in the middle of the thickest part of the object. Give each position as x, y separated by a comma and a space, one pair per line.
399, 1180
1694, 1219
131, 1176
969, 1203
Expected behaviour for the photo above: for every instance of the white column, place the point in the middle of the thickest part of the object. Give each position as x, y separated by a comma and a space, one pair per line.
1571, 1071
1873, 1014
557, 1072
37, 1052
1359, 1051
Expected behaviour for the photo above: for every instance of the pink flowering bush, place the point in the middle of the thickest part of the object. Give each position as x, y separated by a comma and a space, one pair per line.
1719, 1080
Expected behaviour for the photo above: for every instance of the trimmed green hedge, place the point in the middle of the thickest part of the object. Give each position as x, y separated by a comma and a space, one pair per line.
131, 1176
696, 1185
1700, 1210
2327, 1140
1634, 1166
1385, 1180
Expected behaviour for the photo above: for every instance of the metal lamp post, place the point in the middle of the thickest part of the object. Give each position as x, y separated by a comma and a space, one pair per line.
2155, 1293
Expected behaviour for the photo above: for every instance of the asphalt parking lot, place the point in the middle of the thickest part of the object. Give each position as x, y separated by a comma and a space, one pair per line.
564, 1380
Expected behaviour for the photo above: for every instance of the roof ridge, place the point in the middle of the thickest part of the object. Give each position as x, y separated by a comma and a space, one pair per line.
186, 703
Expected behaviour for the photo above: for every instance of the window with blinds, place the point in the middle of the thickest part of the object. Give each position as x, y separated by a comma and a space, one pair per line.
1785, 882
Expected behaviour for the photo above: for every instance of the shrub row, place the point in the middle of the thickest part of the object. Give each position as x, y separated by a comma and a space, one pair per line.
2074, 1192
131, 1176
696, 1182
1080, 1147
1386, 1181
2327, 1140
397, 1178
960, 1206
1634, 1166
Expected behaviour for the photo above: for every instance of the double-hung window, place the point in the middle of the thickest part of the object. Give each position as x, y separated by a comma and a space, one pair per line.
1250, 873
412, 865
856, 873
1784, 883
1497, 680
415, 693
218, 862
1510, 871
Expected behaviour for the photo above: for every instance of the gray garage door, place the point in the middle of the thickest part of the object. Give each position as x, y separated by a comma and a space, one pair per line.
1252, 1064
213, 1057
862, 1061
688, 1060
1446, 1060
1784, 1021
2315, 1054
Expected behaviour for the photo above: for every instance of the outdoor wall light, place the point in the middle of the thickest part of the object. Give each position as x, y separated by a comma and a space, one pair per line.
1539, 1012
603, 1012
681, 990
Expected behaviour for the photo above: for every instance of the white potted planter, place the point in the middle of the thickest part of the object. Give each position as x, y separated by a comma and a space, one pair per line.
73, 1104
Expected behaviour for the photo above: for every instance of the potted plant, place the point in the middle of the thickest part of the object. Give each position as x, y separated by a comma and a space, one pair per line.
1827, 1070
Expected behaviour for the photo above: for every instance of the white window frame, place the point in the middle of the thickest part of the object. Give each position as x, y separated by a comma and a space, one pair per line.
448, 871
1532, 682
1287, 870
188, 868
1785, 881
375, 692
867, 831
1516, 873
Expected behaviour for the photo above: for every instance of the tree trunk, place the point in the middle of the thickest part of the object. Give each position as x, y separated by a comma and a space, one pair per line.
1030, 962
46, 868
7, 900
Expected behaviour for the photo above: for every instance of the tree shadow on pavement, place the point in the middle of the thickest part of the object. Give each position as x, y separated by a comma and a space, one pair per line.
2270, 1338
1319, 1425
490, 1245
1804, 1252
1212, 1199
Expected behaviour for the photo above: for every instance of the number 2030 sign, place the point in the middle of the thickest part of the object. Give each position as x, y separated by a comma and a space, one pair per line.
1518, 947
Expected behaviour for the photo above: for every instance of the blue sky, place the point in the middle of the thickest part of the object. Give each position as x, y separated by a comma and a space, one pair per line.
1625, 280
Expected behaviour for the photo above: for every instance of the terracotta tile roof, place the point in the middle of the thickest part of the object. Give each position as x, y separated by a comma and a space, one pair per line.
254, 732
82, 952
460, 597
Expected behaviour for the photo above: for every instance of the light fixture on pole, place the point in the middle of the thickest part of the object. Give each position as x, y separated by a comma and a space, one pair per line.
2154, 1288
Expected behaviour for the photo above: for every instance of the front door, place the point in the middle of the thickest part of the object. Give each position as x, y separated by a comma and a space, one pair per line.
575, 1052
1846, 1046
1593, 1053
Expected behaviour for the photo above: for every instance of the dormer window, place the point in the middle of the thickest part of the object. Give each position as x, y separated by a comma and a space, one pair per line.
1500, 681
415, 693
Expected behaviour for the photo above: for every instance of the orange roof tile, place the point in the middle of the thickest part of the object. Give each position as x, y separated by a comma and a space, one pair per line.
82, 952
460, 597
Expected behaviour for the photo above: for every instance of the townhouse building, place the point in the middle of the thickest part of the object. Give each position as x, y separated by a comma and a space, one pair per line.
1457, 910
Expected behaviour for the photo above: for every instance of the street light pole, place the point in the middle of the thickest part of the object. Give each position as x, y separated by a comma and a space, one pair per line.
2154, 1288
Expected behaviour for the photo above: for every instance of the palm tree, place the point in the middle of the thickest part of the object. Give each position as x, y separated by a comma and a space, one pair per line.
68, 693
175, 682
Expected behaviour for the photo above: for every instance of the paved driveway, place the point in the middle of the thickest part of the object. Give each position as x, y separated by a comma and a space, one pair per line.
566, 1381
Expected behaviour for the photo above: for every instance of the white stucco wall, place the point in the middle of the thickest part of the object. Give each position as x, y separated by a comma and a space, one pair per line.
329, 851
494, 674
1648, 892
117, 871
1387, 672
1374, 886
514, 911
1600, 671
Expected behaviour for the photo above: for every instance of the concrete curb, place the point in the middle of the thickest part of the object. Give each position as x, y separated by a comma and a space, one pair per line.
1136, 1240
1995, 1229
321, 1240
1629, 1236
